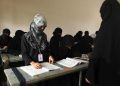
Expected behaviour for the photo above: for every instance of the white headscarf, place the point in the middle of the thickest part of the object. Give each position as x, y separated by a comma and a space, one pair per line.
39, 20
118, 1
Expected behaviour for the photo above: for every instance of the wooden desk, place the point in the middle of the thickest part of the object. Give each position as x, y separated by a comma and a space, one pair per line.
23, 79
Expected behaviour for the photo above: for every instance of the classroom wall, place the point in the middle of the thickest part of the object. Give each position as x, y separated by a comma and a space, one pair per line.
71, 15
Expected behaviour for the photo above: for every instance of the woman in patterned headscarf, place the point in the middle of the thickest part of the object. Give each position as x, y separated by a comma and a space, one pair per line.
104, 66
34, 45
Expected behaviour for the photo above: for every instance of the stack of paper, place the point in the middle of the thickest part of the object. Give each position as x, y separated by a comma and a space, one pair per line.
32, 71
70, 62
85, 57
50, 66
81, 60
46, 67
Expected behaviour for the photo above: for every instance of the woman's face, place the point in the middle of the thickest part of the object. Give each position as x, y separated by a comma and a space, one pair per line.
42, 28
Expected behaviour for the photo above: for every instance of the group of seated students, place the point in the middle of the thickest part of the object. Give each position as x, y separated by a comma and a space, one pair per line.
69, 46
59, 47
11, 45
78, 44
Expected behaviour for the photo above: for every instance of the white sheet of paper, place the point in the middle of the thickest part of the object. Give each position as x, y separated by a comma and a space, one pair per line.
32, 71
50, 66
46, 67
69, 62
81, 60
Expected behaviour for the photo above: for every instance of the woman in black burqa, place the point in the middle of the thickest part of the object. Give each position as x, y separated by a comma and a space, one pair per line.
34, 45
55, 43
14, 46
104, 66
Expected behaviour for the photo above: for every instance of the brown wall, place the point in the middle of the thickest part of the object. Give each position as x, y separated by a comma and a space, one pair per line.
71, 15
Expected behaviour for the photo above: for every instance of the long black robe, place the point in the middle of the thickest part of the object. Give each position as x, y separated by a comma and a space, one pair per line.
55, 42
14, 46
104, 66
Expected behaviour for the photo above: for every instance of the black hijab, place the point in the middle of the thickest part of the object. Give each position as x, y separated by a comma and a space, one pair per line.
107, 43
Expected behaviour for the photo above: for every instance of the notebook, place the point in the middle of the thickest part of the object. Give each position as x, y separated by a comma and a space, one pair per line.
46, 67
70, 62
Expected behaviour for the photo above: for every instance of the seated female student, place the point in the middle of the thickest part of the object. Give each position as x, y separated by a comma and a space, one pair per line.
14, 46
55, 42
5, 39
66, 50
34, 45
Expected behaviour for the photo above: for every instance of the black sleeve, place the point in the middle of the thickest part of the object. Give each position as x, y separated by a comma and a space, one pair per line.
47, 46
1, 42
51, 46
93, 70
25, 51
1, 63
0, 58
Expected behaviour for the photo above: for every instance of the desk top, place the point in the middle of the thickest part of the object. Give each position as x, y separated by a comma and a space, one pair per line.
17, 76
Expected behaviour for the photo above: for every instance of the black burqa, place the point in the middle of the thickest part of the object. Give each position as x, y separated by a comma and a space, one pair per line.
14, 46
104, 66
55, 43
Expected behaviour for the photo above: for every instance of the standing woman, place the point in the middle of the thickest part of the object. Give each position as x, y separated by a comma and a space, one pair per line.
104, 66
34, 45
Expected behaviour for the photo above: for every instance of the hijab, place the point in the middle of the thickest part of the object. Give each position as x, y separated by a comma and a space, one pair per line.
36, 37
107, 43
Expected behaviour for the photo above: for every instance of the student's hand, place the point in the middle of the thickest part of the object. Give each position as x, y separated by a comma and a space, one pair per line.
87, 81
51, 59
5, 47
118, 1
36, 65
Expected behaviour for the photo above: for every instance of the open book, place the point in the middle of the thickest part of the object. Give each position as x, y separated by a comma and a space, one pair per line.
46, 67
70, 62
